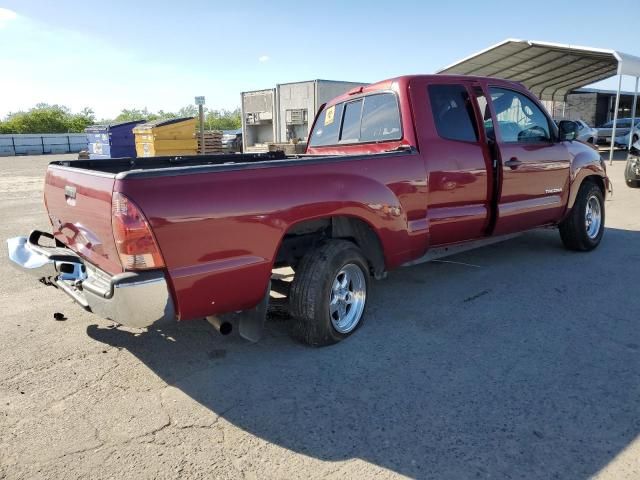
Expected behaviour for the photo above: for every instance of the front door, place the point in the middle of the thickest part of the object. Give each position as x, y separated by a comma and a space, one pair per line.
535, 166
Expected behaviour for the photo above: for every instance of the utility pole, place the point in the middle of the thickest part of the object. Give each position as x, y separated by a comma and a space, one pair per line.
200, 103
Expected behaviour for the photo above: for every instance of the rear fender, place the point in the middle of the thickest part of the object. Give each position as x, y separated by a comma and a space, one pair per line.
225, 262
371, 202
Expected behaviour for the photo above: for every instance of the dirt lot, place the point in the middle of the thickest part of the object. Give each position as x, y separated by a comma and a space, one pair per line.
521, 361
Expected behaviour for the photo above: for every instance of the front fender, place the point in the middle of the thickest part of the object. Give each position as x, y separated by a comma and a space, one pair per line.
585, 162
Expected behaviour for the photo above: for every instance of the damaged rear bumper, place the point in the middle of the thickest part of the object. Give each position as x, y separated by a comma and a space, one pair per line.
134, 299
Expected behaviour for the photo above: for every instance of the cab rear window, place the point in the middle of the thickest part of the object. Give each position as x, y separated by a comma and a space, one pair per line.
327, 128
374, 118
351, 122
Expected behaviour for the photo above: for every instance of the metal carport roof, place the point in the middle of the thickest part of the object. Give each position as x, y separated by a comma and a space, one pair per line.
549, 70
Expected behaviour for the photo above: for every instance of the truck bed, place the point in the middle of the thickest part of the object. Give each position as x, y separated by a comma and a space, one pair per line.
120, 168
119, 165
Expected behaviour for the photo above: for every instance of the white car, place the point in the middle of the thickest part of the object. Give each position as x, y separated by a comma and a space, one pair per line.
623, 140
623, 125
586, 133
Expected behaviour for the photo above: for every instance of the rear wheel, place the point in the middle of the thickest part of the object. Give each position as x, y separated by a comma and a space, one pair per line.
329, 293
582, 230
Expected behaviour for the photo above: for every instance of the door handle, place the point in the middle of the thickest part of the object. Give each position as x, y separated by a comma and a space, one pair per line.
512, 163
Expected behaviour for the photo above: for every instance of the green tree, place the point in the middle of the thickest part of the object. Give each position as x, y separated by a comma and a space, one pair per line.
223, 119
44, 118
129, 115
80, 121
166, 115
188, 111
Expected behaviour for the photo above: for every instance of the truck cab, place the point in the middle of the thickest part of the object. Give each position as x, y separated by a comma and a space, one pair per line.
494, 161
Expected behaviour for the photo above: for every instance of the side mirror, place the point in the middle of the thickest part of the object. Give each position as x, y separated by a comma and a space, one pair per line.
568, 130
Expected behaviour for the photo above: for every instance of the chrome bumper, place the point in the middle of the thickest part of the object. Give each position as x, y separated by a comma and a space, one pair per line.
134, 299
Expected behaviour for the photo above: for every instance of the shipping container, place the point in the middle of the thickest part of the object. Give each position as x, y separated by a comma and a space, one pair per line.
258, 119
175, 136
112, 140
299, 102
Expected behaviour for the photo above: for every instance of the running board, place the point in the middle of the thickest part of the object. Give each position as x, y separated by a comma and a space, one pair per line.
441, 252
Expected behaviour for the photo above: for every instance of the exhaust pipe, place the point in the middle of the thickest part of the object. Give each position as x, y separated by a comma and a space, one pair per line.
222, 326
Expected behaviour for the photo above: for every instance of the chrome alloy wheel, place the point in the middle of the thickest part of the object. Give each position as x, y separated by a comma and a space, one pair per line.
348, 297
593, 216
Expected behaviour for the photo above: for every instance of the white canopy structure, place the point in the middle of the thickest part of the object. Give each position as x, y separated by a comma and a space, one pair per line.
552, 70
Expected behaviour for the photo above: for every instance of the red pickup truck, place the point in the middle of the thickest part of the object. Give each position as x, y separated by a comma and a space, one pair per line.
402, 171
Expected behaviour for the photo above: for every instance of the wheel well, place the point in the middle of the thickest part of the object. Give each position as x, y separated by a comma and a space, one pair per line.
307, 235
598, 180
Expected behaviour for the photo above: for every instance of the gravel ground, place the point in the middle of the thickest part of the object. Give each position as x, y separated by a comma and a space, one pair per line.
521, 361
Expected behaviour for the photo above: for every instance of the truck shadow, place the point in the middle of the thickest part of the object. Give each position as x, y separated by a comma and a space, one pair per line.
520, 361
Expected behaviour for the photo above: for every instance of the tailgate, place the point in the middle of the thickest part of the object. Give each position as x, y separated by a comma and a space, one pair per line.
79, 206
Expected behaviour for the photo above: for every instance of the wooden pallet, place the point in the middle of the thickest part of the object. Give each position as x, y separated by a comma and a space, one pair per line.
212, 142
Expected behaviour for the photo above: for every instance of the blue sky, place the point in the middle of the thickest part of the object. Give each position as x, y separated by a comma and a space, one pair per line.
112, 54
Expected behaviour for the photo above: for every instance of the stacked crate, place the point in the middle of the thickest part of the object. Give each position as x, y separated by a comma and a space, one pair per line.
212, 142
175, 136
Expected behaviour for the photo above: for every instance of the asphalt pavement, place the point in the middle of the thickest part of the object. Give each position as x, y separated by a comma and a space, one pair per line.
517, 360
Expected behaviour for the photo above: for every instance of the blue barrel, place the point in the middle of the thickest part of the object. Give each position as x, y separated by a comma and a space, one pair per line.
113, 140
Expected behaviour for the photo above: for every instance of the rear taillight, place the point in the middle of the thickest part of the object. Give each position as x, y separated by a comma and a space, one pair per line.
136, 245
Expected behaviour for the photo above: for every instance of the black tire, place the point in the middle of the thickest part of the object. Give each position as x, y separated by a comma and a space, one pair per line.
573, 229
631, 173
311, 289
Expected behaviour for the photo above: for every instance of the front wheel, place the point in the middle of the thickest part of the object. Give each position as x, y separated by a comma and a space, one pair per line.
329, 293
582, 230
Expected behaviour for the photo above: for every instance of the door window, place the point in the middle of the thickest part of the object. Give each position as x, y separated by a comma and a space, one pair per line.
452, 112
519, 119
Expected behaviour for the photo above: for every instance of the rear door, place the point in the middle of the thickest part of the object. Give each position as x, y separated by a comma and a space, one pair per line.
535, 167
79, 206
457, 160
